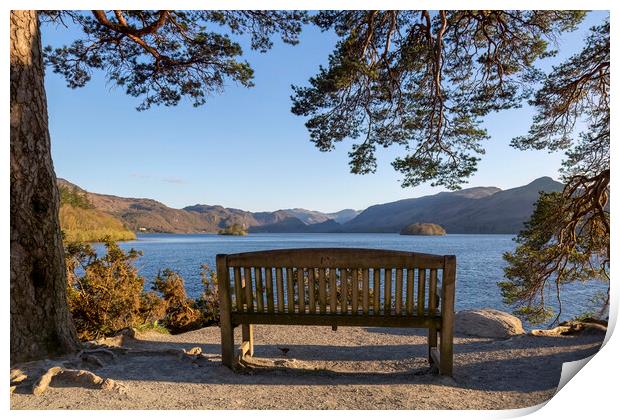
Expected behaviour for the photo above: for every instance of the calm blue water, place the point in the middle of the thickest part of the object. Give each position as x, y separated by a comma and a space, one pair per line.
479, 259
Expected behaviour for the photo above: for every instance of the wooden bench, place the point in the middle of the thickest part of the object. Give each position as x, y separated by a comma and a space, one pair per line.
338, 286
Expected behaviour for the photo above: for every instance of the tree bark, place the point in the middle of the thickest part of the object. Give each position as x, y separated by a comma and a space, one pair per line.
41, 324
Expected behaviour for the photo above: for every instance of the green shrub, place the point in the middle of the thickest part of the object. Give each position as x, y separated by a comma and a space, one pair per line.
181, 312
107, 295
208, 302
152, 326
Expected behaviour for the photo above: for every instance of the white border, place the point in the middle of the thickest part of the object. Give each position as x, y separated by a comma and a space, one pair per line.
590, 395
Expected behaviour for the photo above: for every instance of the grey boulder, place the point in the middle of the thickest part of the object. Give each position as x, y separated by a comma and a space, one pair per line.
488, 323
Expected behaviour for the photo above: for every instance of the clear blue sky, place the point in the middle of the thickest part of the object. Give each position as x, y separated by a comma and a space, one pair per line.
244, 148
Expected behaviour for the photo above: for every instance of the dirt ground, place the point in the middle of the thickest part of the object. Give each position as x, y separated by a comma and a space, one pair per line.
351, 368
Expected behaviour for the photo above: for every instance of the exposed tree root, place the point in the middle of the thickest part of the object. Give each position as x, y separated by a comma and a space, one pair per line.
572, 328
36, 377
17, 376
80, 377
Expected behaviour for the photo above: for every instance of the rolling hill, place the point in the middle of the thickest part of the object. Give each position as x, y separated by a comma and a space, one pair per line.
472, 210
147, 215
80, 221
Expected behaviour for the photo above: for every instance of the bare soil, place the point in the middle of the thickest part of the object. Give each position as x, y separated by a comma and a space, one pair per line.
351, 368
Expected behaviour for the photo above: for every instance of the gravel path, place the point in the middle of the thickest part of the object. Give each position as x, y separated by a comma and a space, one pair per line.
352, 368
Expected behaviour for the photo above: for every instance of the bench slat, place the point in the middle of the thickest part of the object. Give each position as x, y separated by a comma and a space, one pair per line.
311, 296
301, 296
338, 319
421, 287
355, 286
432, 291
322, 291
344, 302
409, 299
290, 292
249, 300
269, 289
365, 288
398, 295
238, 289
260, 292
387, 295
334, 257
280, 288
333, 291
376, 290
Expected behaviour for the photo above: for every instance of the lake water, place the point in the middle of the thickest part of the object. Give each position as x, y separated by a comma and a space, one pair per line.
479, 259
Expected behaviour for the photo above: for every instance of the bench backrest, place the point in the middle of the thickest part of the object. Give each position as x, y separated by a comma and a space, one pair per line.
337, 281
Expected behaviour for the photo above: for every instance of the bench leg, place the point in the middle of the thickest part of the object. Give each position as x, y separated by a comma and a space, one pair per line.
445, 351
432, 342
247, 334
228, 341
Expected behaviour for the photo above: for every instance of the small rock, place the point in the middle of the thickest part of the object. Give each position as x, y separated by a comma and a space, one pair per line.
195, 351
488, 323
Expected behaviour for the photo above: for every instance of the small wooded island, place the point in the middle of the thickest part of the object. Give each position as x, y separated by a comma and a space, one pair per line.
423, 229
235, 230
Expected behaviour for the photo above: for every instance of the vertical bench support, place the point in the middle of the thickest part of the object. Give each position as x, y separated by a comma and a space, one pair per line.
432, 343
226, 327
433, 297
447, 316
247, 340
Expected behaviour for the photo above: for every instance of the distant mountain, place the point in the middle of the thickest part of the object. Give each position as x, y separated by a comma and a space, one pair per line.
308, 217
344, 216
311, 217
294, 225
290, 224
147, 215
473, 210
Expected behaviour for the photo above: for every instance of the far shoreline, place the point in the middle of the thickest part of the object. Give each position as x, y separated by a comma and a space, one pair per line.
252, 234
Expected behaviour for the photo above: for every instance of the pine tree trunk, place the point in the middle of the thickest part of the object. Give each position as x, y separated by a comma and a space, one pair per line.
41, 324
